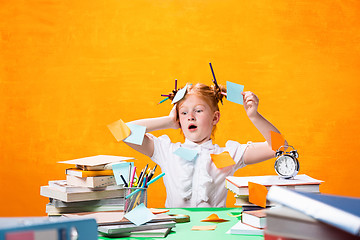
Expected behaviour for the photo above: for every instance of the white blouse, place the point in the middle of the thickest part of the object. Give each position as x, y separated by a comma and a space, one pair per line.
197, 182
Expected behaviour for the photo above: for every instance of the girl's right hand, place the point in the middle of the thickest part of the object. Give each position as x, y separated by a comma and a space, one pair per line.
174, 122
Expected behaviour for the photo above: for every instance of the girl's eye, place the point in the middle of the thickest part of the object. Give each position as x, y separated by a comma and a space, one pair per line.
198, 111
183, 113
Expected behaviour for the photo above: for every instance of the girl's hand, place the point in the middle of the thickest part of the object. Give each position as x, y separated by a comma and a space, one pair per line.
251, 103
174, 122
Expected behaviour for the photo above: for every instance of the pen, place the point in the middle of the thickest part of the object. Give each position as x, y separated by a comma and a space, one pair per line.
123, 179
163, 100
150, 182
144, 182
142, 175
133, 176
152, 173
129, 173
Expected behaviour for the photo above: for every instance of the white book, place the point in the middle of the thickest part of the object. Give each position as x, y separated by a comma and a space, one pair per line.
289, 223
49, 192
243, 229
302, 182
254, 218
97, 160
91, 182
52, 210
339, 211
64, 187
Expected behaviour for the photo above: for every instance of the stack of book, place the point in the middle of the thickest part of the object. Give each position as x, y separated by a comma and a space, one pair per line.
239, 186
114, 224
89, 186
301, 215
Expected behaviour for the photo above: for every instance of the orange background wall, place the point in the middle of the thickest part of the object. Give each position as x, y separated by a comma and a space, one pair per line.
68, 68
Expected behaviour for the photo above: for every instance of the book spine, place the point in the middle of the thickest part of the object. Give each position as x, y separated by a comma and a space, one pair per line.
82, 173
91, 182
106, 201
316, 209
270, 236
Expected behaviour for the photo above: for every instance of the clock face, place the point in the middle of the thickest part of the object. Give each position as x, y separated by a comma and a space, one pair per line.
286, 166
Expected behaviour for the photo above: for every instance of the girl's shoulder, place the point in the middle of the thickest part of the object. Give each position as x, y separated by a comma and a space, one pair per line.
162, 140
232, 144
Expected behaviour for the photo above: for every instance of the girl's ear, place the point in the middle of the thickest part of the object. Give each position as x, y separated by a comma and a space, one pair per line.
216, 117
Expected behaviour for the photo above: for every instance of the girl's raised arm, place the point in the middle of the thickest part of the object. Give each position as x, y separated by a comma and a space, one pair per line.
258, 152
153, 124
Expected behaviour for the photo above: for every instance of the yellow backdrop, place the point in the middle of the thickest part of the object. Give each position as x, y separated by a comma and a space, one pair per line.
69, 68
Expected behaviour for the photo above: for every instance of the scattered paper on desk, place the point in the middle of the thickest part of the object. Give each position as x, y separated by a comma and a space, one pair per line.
96, 160
185, 153
257, 194
119, 130
121, 169
137, 134
203, 228
158, 211
277, 140
234, 91
180, 94
222, 160
139, 215
214, 218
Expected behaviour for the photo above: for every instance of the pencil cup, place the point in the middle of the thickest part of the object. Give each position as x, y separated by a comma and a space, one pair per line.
134, 197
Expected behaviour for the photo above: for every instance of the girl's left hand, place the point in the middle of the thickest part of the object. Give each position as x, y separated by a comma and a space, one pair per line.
251, 103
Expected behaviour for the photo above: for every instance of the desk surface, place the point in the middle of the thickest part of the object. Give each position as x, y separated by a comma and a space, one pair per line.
183, 230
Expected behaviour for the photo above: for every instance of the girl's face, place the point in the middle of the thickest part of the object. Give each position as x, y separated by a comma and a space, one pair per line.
197, 119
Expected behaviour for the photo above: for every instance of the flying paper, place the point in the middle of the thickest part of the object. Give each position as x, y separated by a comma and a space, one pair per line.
203, 228
139, 215
277, 140
257, 194
180, 94
121, 169
187, 154
234, 91
137, 134
119, 130
222, 160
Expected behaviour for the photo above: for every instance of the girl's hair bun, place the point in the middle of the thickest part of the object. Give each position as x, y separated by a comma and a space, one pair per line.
219, 92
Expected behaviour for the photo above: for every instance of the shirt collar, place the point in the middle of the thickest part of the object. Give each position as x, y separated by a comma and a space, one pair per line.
207, 145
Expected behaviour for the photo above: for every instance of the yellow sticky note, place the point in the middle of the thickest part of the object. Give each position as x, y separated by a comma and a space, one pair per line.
203, 228
222, 160
213, 218
119, 130
277, 140
257, 194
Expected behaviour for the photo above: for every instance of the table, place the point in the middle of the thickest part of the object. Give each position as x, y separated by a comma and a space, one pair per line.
183, 230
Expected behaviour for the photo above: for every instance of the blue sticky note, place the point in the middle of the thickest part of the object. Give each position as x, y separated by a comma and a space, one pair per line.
139, 215
185, 153
180, 94
121, 168
137, 134
234, 91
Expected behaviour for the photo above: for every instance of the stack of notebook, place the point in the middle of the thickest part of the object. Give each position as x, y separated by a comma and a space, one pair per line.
114, 224
89, 186
239, 186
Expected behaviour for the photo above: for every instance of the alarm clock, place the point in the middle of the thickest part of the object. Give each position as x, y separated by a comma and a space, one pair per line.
286, 163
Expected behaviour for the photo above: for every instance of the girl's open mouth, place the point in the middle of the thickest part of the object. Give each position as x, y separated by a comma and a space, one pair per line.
192, 127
